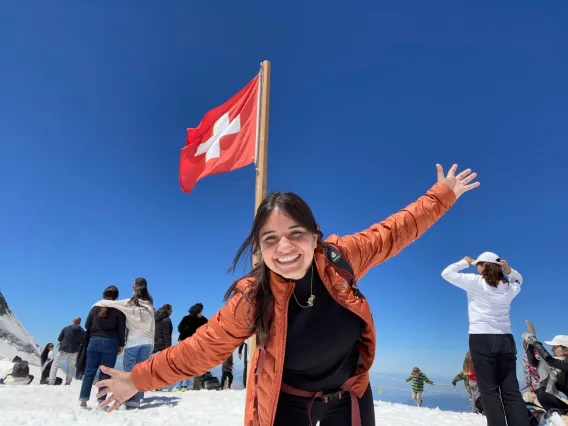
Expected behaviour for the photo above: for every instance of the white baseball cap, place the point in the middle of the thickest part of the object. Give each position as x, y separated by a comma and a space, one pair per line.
559, 340
487, 257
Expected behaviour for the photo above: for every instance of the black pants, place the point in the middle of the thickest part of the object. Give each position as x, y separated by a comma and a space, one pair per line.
293, 410
549, 401
226, 375
494, 360
45, 374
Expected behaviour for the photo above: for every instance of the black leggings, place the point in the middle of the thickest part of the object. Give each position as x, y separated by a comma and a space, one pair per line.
549, 401
293, 410
227, 375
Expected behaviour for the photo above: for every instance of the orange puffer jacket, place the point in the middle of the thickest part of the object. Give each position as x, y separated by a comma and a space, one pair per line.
230, 326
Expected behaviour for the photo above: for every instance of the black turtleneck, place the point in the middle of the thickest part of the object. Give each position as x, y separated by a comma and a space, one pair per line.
321, 344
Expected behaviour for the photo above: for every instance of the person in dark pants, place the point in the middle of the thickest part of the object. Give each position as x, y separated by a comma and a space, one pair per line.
187, 328
244, 348
491, 341
70, 340
227, 370
106, 328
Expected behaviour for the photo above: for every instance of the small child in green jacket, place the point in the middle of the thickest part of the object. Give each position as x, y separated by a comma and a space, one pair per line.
418, 378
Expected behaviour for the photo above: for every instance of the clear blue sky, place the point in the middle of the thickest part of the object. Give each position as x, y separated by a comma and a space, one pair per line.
366, 98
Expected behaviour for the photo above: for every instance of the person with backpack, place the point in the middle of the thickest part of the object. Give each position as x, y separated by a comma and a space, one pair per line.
314, 328
418, 378
491, 342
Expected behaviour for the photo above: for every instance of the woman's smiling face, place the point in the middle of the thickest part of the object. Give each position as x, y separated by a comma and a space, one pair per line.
287, 248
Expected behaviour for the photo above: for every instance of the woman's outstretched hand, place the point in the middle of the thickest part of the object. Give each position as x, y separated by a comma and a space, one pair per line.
469, 259
460, 183
120, 385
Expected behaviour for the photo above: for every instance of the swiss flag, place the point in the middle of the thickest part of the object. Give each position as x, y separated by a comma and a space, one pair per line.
225, 139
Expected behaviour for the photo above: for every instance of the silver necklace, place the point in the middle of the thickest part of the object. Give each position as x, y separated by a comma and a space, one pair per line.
312, 296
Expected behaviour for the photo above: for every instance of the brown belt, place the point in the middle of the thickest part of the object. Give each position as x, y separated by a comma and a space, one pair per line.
346, 387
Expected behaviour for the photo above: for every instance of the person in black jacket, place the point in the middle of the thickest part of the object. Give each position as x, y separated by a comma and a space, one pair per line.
187, 328
70, 340
164, 328
190, 323
553, 370
106, 330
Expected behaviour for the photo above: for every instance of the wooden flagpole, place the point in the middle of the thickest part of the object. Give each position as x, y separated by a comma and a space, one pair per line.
261, 164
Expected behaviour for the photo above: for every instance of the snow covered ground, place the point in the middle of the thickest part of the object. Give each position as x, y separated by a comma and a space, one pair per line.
58, 405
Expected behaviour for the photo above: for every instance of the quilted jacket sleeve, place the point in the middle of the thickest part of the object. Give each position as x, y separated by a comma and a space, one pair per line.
207, 348
386, 239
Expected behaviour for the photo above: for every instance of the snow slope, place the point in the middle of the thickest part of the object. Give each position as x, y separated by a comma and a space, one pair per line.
58, 405
14, 338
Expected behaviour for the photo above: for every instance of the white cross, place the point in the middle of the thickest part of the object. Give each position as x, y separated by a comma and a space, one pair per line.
222, 127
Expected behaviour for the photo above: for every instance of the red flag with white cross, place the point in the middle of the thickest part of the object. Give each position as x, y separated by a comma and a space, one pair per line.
225, 139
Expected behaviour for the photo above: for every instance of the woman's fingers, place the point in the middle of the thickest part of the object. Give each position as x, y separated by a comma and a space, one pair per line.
103, 392
468, 179
463, 174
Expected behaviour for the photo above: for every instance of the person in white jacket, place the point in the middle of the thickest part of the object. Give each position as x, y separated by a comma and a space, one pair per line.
140, 325
491, 341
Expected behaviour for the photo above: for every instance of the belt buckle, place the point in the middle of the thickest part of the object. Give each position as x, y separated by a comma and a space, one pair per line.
331, 396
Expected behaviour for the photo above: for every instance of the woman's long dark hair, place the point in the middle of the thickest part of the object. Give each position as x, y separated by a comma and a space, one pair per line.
44, 353
493, 274
141, 293
259, 295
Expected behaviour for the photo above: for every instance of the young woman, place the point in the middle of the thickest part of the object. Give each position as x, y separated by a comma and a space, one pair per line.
106, 328
141, 325
491, 341
314, 328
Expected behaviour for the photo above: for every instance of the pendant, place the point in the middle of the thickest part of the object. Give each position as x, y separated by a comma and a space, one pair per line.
311, 300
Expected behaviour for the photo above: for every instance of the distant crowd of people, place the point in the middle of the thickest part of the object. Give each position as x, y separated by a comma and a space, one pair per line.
129, 327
